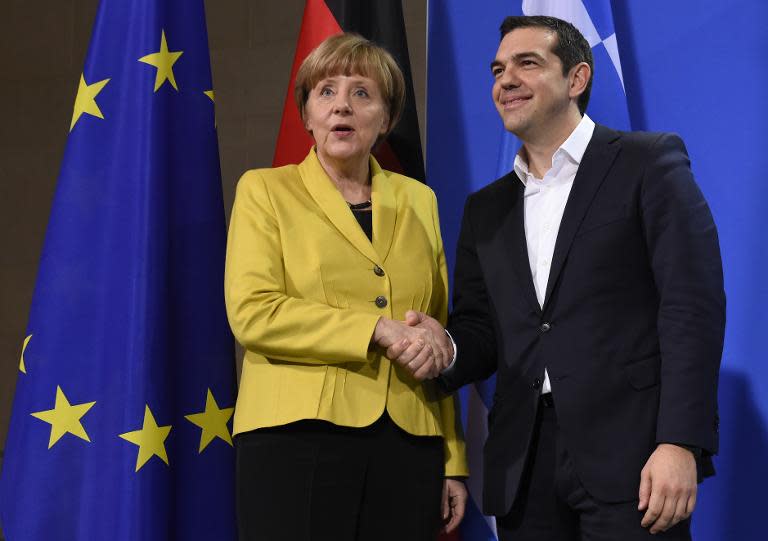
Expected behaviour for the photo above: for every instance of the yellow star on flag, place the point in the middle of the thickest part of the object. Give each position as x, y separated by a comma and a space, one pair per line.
163, 60
85, 102
150, 439
209, 93
213, 421
22, 365
64, 418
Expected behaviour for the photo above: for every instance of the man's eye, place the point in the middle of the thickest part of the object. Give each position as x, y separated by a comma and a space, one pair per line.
497, 71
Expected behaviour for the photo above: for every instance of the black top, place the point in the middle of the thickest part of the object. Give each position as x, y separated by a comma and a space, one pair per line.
365, 219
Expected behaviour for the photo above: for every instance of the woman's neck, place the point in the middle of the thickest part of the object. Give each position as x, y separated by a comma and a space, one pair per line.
351, 177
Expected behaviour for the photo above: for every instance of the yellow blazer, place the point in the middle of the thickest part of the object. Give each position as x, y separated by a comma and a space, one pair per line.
301, 296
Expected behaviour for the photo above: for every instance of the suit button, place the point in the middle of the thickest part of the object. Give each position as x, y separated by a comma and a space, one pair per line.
381, 301
536, 384
545, 327
378, 271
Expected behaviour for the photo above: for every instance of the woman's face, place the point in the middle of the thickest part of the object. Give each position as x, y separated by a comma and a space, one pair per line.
345, 114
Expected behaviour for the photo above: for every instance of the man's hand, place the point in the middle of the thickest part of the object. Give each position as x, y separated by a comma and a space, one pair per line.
420, 351
444, 353
454, 503
667, 487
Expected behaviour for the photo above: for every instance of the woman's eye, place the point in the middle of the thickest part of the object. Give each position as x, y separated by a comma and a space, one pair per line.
361, 92
325, 91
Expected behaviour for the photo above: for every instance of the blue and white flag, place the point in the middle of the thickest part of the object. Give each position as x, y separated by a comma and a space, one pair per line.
125, 388
463, 129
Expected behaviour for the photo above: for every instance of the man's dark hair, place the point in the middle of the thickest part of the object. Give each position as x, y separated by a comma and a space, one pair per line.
571, 47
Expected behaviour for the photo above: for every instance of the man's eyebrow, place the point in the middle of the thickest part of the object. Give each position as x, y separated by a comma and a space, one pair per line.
518, 57
528, 54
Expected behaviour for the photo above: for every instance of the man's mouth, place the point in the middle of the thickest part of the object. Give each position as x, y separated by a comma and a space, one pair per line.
511, 102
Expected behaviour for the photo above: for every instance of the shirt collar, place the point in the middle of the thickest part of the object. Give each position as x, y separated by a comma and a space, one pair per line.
573, 147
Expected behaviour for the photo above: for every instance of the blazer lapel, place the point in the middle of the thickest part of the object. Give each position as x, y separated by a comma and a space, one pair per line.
514, 242
384, 210
330, 201
595, 165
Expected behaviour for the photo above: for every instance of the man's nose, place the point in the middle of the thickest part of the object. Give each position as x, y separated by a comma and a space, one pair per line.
509, 78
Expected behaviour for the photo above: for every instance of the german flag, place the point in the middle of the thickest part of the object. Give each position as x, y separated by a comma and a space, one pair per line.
380, 21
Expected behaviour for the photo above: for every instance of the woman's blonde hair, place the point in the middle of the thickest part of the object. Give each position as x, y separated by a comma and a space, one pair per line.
352, 54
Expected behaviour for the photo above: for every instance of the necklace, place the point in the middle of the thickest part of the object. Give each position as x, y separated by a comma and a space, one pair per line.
359, 206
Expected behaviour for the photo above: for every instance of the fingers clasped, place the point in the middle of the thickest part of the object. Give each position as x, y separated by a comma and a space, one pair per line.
419, 344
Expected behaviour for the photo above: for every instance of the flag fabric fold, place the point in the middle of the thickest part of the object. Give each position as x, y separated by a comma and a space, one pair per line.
120, 422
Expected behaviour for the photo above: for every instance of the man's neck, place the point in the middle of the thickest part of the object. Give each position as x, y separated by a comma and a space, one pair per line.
539, 149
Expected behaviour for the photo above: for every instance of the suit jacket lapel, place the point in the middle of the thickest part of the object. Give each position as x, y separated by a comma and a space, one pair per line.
384, 210
513, 239
330, 201
595, 165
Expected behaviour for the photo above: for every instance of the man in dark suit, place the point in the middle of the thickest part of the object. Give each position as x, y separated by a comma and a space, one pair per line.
589, 280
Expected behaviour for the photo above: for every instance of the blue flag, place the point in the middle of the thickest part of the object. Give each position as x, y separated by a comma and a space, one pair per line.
120, 424
461, 148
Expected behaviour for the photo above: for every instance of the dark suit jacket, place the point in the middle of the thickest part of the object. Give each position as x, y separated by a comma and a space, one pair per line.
631, 330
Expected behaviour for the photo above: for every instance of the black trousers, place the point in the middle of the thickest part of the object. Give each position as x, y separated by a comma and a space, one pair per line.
313, 480
552, 504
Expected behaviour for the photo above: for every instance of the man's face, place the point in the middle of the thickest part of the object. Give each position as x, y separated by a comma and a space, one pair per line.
530, 91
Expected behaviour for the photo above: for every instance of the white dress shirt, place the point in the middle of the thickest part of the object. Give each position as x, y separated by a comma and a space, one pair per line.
545, 200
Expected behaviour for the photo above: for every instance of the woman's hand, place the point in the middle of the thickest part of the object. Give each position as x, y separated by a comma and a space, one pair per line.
454, 503
421, 355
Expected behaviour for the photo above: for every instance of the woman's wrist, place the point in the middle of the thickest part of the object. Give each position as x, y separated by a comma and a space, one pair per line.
380, 330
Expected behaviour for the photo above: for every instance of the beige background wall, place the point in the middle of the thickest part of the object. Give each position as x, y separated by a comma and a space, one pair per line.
42, 50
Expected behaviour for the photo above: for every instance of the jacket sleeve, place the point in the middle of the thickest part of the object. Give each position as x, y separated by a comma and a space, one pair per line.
455, 448
263, 317
470, 324
684, 254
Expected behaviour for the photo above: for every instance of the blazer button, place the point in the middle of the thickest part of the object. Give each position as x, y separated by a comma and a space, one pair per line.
545, 327
381, 301
536, 384
378, 271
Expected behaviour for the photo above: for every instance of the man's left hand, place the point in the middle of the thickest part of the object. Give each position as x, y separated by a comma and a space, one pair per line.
667, 487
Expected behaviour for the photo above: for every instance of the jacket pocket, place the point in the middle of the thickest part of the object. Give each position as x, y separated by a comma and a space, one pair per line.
604, 219
644, 373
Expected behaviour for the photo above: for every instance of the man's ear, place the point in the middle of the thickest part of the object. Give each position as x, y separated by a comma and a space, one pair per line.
579, 78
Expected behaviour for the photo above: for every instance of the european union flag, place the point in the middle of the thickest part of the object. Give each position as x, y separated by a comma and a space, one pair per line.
125, 391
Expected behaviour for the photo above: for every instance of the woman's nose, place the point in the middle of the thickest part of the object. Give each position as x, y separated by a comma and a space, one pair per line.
341, 105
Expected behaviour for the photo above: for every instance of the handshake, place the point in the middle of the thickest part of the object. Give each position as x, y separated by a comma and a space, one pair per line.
419, 344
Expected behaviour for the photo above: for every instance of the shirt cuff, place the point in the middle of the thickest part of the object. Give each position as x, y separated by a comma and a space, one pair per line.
448, 368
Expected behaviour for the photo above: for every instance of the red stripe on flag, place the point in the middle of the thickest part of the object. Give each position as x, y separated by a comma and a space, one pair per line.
387, 158
293, 141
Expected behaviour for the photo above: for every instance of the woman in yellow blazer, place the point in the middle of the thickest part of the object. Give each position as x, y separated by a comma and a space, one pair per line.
324, 258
